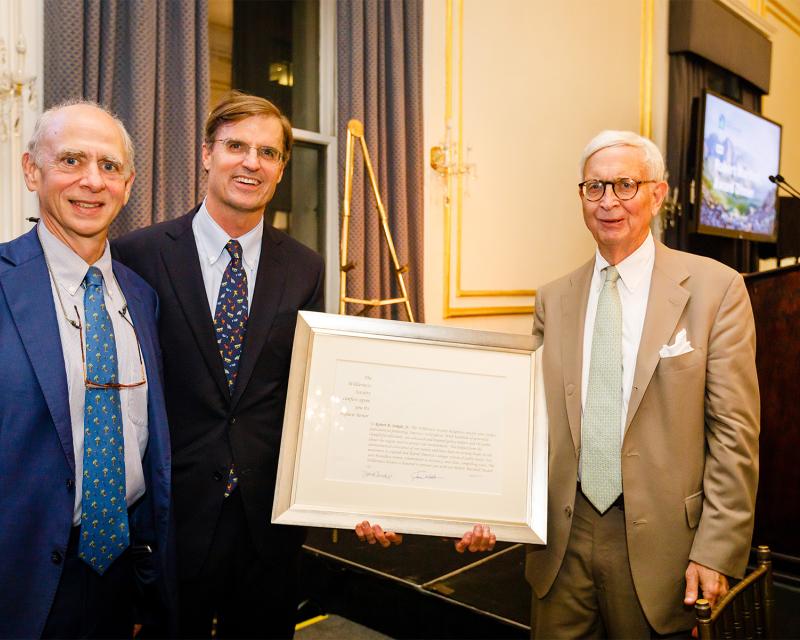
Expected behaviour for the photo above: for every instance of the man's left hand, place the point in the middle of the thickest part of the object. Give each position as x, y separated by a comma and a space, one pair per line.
712, 583
375, 533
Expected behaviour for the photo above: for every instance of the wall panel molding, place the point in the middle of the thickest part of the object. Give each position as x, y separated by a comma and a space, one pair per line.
459, 298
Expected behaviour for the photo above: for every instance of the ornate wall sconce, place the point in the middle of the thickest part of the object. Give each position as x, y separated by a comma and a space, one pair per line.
19, 58
16, 88
446, 158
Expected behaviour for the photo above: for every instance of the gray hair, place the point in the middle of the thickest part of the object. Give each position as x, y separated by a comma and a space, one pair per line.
653, 160
42, 124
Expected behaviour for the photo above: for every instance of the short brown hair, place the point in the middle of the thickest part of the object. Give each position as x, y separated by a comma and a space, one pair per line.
238, 106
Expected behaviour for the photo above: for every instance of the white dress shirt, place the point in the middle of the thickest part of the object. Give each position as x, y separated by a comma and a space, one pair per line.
68, 270
211, 240
635, 273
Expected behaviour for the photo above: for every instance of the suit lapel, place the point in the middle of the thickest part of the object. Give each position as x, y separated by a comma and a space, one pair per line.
30, 300
182, 262
270, 283
147, 337
573, 308
138, 314
665, 305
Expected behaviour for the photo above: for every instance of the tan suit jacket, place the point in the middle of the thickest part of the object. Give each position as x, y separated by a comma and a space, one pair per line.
690, 449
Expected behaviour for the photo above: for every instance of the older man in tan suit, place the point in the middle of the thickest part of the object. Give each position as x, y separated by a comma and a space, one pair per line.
649, 364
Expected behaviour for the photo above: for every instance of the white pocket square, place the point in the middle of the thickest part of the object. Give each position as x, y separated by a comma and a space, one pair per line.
680, 346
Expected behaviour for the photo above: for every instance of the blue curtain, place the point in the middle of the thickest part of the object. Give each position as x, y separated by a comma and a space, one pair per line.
146, 60
379, 57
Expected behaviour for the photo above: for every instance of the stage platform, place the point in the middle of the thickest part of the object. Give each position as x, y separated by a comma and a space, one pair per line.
421, 589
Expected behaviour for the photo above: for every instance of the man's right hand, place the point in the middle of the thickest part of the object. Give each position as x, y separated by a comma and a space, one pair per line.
480, 538
375, 533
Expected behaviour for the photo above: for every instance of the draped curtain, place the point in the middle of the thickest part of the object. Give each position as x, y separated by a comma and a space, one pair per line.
147, 61
380, 83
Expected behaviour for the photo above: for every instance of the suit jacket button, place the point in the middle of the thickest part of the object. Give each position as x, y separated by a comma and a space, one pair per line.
570, 389
55, 557
70, 484
232, 421
568, 511
217, 476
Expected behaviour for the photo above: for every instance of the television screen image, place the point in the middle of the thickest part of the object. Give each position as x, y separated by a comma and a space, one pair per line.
740, 150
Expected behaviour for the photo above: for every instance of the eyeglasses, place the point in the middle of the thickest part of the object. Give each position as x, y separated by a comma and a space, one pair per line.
269, 155
79, 326
623, 188
109, 385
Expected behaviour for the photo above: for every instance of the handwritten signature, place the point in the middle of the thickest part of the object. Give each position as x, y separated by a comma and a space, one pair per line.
425, 475
377, 474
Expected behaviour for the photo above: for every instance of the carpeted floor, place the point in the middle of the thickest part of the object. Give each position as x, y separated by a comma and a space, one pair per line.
336, 628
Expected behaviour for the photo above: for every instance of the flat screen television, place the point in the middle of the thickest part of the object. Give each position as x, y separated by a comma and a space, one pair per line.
738, 151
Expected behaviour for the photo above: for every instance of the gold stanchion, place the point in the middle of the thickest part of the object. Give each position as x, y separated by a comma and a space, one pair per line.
355, 129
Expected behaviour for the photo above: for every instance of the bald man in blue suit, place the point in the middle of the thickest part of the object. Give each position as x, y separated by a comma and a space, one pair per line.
80, 165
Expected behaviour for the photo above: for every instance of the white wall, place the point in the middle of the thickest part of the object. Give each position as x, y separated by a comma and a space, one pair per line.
783, 22
783, 102
16, 203
539, 80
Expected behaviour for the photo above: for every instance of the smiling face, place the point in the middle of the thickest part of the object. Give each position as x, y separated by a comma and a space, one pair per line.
620, 226
81, 176
240, 186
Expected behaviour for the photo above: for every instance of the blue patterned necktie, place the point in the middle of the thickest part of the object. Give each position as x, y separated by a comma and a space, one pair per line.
601, 470
104, 519
230, 324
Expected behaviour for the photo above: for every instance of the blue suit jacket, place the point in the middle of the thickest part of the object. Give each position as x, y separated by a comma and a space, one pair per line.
37, 465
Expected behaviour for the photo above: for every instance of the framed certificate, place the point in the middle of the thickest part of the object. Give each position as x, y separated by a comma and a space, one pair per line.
420, 428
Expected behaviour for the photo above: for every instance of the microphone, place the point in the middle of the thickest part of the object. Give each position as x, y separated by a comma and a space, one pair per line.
779, 180
791, 193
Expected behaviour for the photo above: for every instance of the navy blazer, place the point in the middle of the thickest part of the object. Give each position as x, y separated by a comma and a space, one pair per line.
209, 427
37, 465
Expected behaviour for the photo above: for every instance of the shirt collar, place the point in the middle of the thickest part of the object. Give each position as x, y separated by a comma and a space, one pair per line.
213, 239
633, 269
68, 268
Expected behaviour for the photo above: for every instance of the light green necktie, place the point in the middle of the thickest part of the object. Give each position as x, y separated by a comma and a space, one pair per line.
601, 472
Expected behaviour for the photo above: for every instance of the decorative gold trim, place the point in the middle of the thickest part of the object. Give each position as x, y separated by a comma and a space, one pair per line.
782, 14
496, 293
461, 312
645, 128
448, 180
451, 193
646, 74
448, 61
461, 292
478, 293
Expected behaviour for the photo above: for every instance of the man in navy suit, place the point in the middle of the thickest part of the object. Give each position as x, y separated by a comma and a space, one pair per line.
230, 287
84, 442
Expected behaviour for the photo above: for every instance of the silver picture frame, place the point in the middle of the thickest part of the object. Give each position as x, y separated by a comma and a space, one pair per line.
421, 428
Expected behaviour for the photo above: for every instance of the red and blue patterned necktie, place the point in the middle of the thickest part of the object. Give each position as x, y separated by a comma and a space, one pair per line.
230, 324
104, 518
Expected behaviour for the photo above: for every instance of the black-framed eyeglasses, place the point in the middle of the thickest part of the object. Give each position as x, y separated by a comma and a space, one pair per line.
89, 384
623, 188
235, 147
